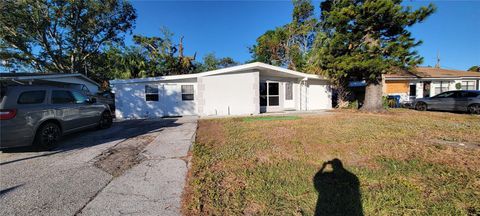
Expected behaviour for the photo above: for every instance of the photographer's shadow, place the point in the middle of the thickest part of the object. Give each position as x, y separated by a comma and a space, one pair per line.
338, 191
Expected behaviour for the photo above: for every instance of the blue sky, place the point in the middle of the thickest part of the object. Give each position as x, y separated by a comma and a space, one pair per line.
228, 28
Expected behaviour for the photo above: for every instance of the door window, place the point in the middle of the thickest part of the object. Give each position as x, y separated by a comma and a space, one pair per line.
31, 97
446, 95
62, 97
263, 94
79, 97
473, 94
273, 94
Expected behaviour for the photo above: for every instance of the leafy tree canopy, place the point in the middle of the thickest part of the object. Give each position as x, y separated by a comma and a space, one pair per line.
364, 39
288, 46
60, 36
475, 68
211, 62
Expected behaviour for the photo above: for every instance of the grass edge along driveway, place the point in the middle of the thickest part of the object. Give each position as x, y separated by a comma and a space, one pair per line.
403, 162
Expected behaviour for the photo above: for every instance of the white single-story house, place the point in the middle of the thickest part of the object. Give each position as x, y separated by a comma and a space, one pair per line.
428, 81
72, 80
240, 90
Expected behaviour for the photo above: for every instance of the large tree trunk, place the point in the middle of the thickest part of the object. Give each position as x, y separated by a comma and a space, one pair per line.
373, 98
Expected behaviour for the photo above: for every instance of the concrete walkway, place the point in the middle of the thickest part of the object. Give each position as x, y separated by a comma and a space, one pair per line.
153, 187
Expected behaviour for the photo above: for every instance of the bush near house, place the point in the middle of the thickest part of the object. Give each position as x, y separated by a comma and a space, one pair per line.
400, 163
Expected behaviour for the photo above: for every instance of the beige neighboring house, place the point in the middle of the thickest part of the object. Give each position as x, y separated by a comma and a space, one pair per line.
428, 81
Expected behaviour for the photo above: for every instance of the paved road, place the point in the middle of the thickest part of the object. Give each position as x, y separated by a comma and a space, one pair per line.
65, 181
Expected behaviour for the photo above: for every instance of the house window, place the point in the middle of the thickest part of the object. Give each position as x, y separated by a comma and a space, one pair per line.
288, 91
442, 87
187, 92
151, 93
468, 85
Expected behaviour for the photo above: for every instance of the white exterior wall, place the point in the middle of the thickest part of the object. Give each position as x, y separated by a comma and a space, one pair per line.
419, 90
448, 83
229, 94
296, 95
130, 101
319, 95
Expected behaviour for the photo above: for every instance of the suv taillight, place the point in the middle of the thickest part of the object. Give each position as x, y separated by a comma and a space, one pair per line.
6, 114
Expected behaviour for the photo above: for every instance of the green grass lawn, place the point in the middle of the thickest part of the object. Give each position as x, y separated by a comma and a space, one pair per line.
270, 118
400, 163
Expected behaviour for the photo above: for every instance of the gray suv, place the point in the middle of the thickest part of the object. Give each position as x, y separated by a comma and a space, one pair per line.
462, 101
40, 115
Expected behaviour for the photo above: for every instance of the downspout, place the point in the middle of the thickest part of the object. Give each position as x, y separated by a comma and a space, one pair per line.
303, 84
300, 99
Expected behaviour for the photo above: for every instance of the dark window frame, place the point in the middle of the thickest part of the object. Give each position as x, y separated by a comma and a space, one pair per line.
188, 96
152, 95
275, 97
35, 102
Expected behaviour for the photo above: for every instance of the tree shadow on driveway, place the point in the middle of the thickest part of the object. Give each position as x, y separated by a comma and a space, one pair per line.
84, 139
338, 191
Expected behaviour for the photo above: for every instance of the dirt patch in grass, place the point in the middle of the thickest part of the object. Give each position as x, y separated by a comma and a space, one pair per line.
459, 144
267, 167
124, 155
211, 131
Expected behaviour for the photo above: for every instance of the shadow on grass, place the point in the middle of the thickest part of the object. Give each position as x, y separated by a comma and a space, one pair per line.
338, 191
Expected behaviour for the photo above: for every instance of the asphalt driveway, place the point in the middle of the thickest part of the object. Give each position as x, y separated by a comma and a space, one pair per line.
134, 167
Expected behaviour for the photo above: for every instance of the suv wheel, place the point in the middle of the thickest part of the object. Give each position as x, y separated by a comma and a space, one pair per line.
48, 135
105, 120
474, 109
421, 106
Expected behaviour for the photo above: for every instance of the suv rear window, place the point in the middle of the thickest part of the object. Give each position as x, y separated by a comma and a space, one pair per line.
62, 97
31, 97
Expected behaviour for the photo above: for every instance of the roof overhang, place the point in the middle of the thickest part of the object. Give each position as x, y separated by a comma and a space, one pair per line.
431, 78
234, 69
48, 77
